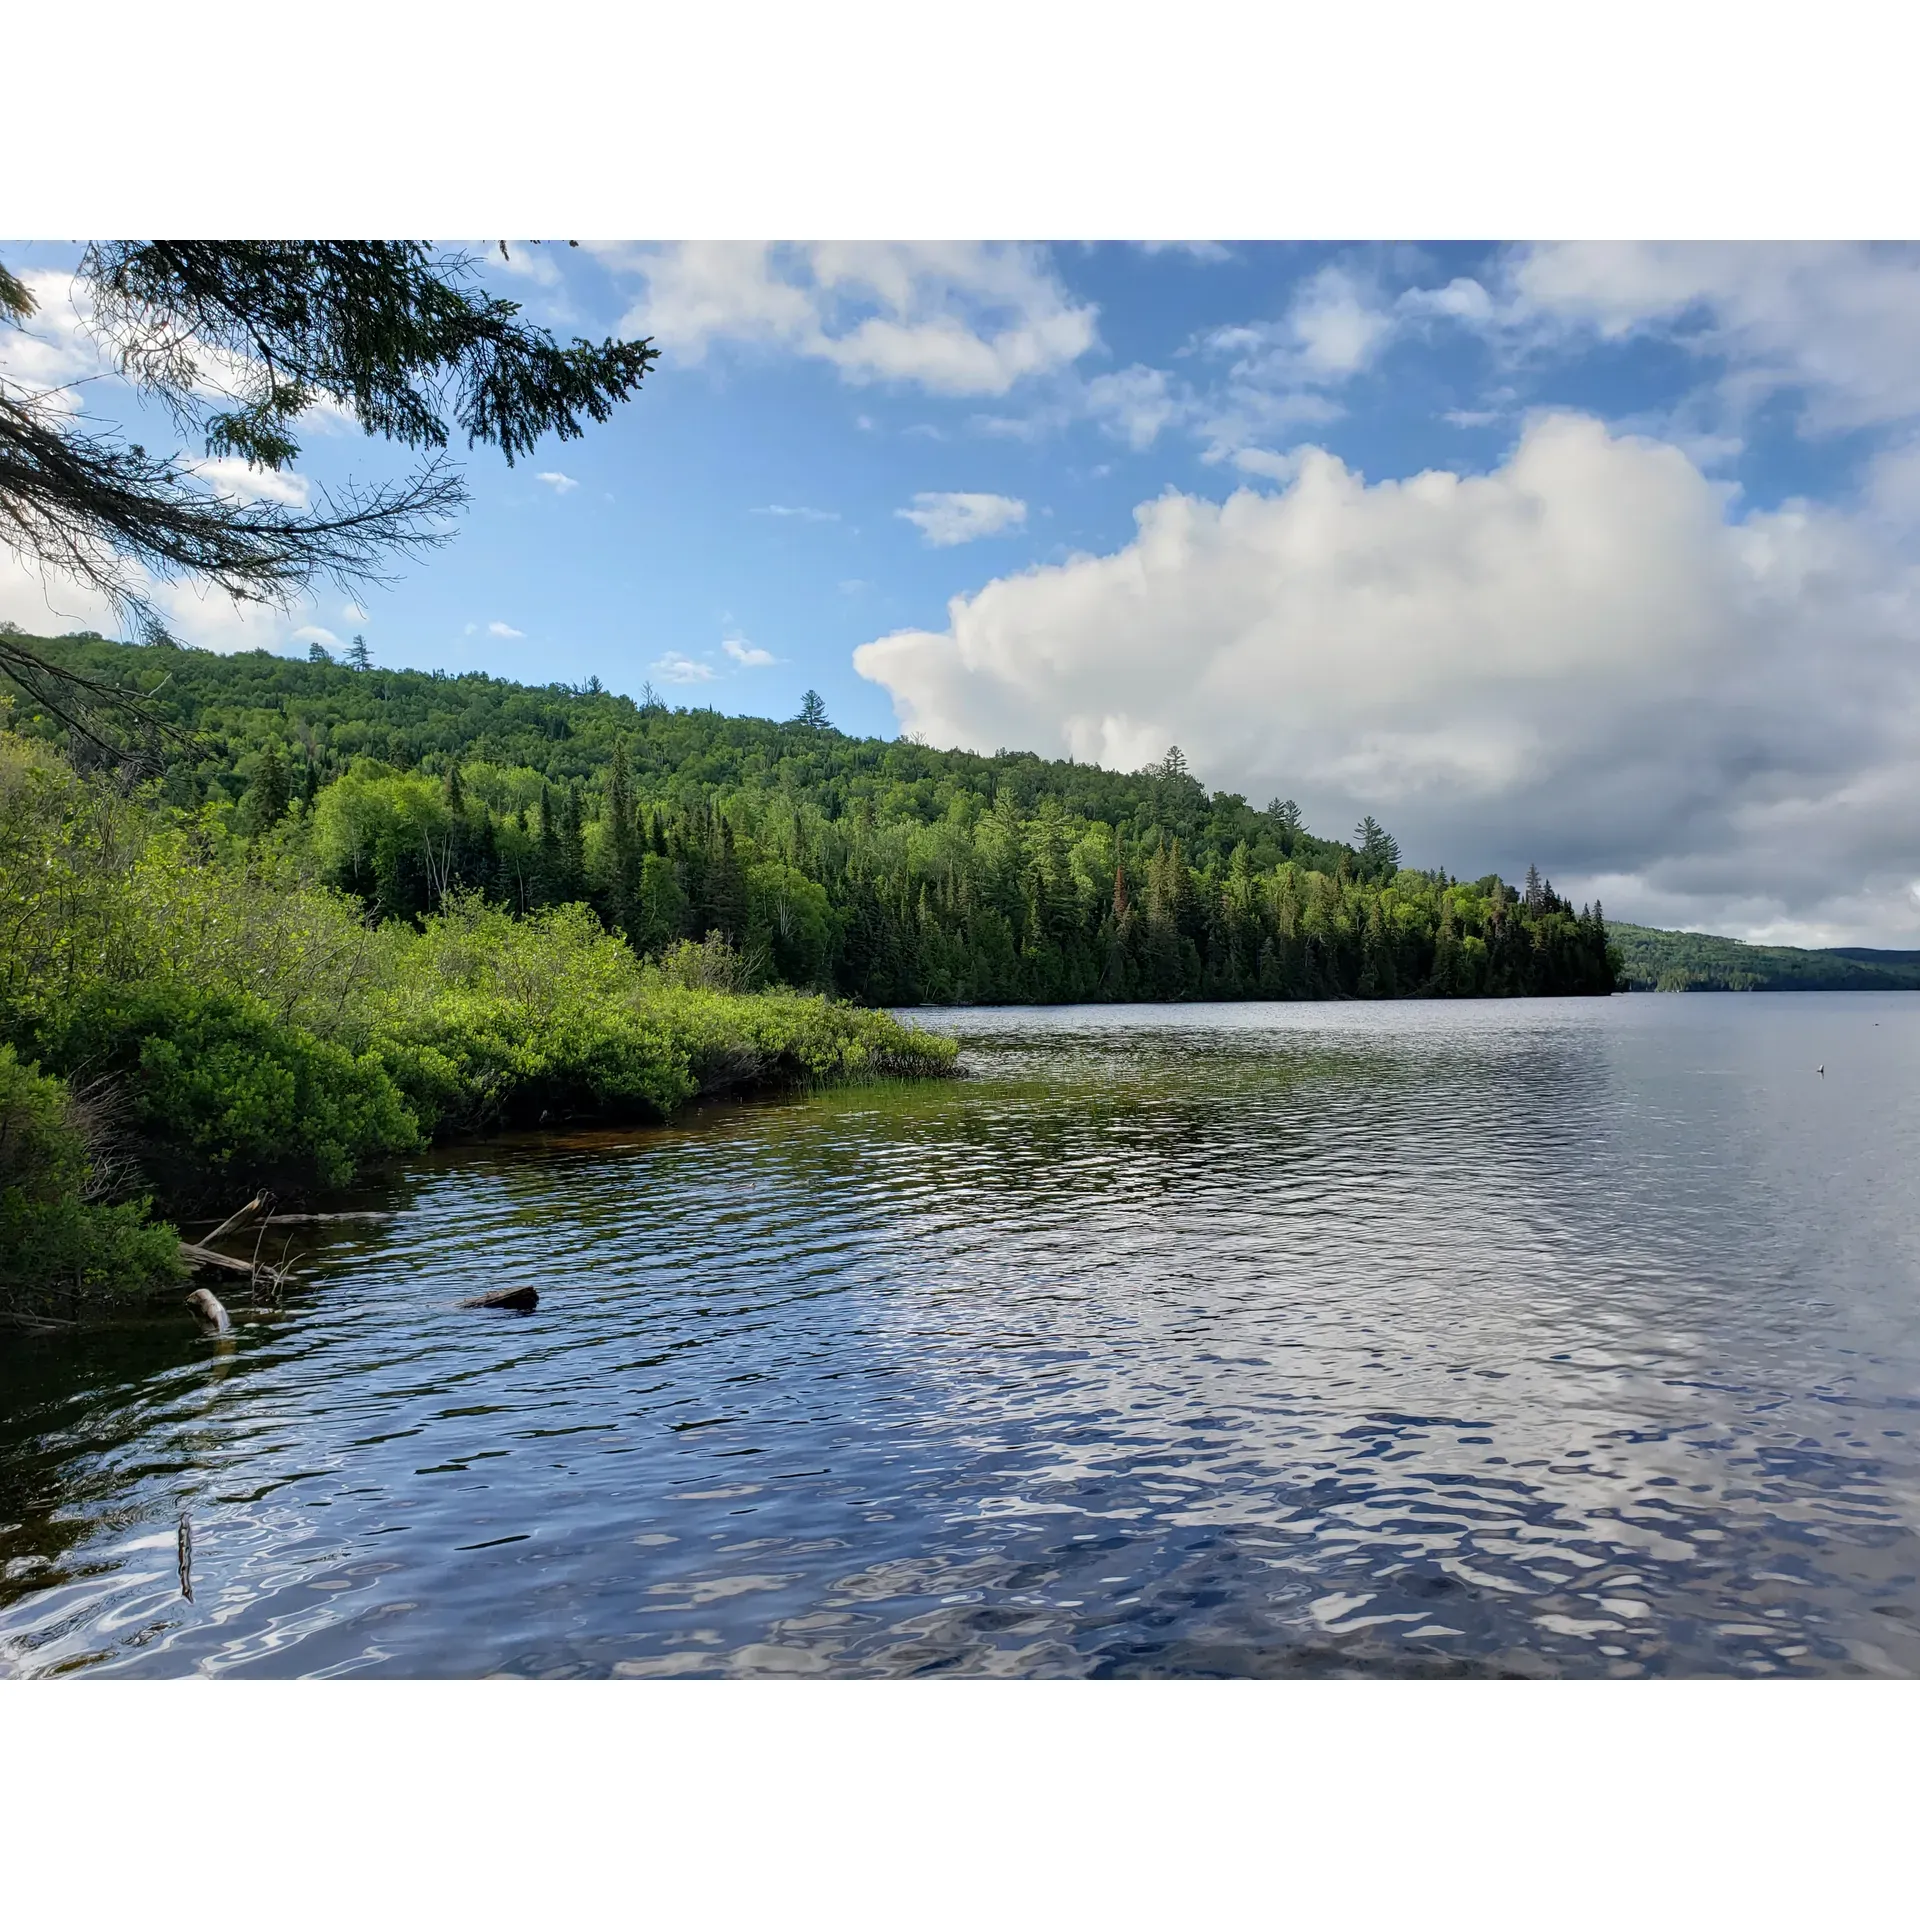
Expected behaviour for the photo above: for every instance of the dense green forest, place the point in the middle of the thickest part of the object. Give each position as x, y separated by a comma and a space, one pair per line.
345, 911
1653, 960
885, 872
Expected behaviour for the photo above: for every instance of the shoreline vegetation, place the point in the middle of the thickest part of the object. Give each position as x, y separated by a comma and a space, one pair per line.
370, 909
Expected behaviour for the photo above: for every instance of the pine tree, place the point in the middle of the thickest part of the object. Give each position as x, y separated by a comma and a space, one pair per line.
1379, 850
547, 851
572, 866
813, 712
623, 851
271, 790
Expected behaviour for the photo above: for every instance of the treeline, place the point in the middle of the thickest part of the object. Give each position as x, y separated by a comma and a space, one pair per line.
1653, 960
888, 873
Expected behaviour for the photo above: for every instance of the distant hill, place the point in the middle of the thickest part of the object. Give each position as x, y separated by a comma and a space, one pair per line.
1657, 961
891, 872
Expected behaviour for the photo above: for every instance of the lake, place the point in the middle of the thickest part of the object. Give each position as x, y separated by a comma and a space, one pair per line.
1541, 1337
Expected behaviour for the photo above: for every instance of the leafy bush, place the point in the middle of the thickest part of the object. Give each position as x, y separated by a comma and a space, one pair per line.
261, 1028
475, 1060
58, 1247
221, 1087
713, 964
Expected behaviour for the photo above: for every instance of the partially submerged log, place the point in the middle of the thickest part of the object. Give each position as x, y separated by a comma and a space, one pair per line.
204, 1256
264, 1280
260, 1202
518, 1299
320, 1219
294, 1220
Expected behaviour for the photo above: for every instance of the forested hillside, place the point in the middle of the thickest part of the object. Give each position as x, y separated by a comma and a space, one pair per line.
888, 872
1654, 960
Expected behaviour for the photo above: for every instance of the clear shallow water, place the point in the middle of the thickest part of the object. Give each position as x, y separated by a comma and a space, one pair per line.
1547, 1337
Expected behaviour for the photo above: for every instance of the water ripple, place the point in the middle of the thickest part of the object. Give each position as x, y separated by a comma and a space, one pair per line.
1538, 1338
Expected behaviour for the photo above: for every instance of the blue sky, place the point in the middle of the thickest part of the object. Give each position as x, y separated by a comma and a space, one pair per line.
1596, 555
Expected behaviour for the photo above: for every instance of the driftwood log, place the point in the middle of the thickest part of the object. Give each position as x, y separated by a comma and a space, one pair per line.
518, 1299
204, 1256
294, 1220
265, 1279
319, 1219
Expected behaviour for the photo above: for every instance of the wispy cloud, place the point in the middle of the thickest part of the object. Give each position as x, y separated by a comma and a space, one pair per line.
737, 648
236, 480
501, 631
559, 482
952, 519
677, 670
796, 513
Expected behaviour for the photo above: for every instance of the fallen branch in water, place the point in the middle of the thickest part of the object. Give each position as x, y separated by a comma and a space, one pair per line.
320, 1219
246, 1213
204, 1256
261, 1277
516, 1299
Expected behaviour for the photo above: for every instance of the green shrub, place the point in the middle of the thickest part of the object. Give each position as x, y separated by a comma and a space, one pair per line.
221, 1087
474, 1060
58, 1248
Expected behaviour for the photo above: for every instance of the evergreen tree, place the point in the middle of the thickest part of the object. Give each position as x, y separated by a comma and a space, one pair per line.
547, 855
1379, 850
272, 789
571, 867
622, 847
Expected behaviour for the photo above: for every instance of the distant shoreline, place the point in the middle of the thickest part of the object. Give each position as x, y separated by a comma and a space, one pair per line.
1657, 961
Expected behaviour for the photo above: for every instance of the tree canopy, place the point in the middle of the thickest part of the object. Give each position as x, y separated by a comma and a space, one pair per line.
889, 871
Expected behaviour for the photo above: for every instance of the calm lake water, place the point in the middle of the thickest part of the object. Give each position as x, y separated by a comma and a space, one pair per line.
1547, 1337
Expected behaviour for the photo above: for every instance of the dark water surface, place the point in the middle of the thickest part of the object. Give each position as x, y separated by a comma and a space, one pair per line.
1547, 1337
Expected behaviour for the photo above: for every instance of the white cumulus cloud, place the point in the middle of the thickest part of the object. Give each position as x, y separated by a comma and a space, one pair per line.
559, 482
742, 653
953, 317
952, 519
1576, 658
1831, 323
501, 631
